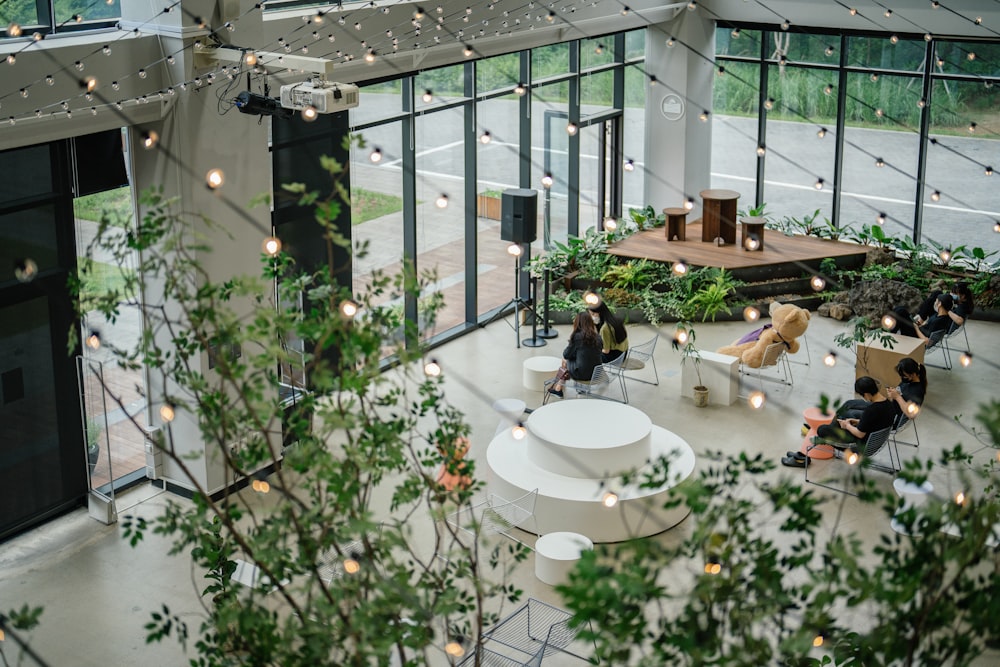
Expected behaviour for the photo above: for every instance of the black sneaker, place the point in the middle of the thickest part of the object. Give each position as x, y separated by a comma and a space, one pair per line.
556, 392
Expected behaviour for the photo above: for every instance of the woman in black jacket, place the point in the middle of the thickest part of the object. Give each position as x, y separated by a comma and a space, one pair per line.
582, 353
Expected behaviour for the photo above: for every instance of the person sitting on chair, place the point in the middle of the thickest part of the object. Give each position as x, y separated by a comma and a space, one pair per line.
911, 390
880, 414
582, 353
939, 322
614, 338
963, 308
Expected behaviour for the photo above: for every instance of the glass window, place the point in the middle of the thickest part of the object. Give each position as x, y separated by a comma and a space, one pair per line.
378, 101
444, 84
734, 130
497, 73
441, 228
974, 58
737, 42
880, 53
635, 44
549, 154
93, 11
880, 159
804, 48
796, 157
956, 166
633, 143
596, 52
28, 234
596, 92
549, 61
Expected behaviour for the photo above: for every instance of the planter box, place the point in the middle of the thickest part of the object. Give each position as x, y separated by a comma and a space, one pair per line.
488, 207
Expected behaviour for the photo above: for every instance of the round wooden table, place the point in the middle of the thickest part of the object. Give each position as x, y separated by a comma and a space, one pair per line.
718, 217
676, 223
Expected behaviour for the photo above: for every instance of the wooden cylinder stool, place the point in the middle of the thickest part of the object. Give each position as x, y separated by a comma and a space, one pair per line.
753, 233
676, 223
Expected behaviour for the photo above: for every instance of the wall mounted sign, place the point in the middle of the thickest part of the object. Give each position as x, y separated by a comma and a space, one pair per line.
672, 107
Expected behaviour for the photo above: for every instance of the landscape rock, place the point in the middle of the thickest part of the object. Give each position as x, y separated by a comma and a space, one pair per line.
875, 298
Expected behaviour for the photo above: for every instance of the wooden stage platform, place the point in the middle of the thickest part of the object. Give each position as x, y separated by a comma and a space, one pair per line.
782, 255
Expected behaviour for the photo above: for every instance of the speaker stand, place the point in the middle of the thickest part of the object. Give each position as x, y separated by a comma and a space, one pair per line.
546, 332
535, 340
519, 305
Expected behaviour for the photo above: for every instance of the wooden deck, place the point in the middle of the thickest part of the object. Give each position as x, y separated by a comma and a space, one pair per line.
779, 251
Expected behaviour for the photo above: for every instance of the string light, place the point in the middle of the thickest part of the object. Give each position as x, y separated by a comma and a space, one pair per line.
167, 413
689, 203
761, 150
821, 133
888, 322
348, 308
769, 103
670, 41
520, 89
921, 103
375, 156
90, 83
629, 165
610, 224
828, 89
853, 11
735, 33
514, 250
441, 201
591, 299
485, 138
894, 39
609, 499
971, 55
830, 359
888, 12
703, 116
756, 399
94, 340
852, 457
309, 114
149, 139
879, 162
829, 50
680, 267
785, 25
13, 29
25, 270
215, 178
972, 127
819, 184
818, 640
960, 498
965, 360
352, 565
988, 170
928, 37
519, 432
454, 649
751, 314
547, 180
912, 409
945, 255
432, 368
713, 567
936, 195
260, 486
571, 129
880, 219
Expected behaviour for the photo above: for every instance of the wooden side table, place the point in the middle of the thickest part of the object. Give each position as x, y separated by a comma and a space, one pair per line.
752, 236
676, 223
718, 218
878, 361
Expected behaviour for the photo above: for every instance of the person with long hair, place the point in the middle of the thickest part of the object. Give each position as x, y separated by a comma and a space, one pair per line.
964, 305
614, 337
582, 353
940, 321
912, 385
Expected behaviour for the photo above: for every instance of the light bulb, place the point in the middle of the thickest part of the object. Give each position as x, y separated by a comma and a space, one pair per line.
370, 56
971, 55
432, 368
629, 165
888, 12
960, 498
591, 299
271, 246
351, 565
853, 11
485, 138
760, 151
756, 399
751, 314
830, 359
519, 89
921, 103
713, 567
680, 268
609, 499
752, 243
167, 413
819, 184
454, 649
735, 33
309, 114
888, 322
879, 162
11, 59
928, 37
988, 170
689, 203
880, 219
670, 41
467, 51
571, 129
818, 640
149, 139
965, 359
13, 29
873, 77
996, 226
610, 224
769, 103
912, 409
829, 50
879, 112
972, 127
519, 432
94, 341
375, 156
945, 255
514, 250
893, 39
785, 25
427, 97
692, 6
852, 458
348, 308
25, 270
681, 335
250, 58
547, 180
821, 132
936, 195
441, 201
215, 178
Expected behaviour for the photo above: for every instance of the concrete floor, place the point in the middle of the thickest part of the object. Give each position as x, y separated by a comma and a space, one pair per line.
98, 592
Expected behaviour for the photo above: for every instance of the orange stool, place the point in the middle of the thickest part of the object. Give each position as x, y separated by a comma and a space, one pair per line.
815, 419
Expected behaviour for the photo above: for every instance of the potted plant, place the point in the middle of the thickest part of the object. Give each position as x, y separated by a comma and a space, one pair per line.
684, 337
488, 204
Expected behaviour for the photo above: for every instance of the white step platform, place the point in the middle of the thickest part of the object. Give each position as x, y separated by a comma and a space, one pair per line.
574, 453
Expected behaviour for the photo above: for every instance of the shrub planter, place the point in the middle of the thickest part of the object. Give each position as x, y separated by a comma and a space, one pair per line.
488, 206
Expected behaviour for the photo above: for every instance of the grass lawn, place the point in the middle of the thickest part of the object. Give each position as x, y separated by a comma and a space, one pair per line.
367, 205
100, 278
117, 203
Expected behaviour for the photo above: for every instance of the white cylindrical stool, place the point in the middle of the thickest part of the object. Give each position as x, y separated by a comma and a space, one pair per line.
537, 370
555, 554
511, 410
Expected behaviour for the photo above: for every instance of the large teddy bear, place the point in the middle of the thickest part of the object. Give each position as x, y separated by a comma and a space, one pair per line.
788, 322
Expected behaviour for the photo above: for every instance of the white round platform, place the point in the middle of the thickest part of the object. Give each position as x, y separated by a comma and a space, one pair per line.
510, 410
574, 503
536, 370
556, 553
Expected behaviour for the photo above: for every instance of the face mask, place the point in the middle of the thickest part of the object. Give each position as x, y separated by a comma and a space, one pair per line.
596, 318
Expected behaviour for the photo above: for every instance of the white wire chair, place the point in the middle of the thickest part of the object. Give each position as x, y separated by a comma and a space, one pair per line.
902, 421
526, 637
938, 342
775, 356
495, 516
605, 382
637, 358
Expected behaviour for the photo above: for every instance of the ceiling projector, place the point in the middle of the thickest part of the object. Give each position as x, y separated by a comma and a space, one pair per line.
324, 96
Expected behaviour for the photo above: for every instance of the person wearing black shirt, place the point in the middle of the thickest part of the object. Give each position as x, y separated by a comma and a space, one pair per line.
880, 414
963, 308
938, 322
582, 353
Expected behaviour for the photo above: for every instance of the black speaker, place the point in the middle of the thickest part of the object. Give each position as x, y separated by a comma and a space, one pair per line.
519, 215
